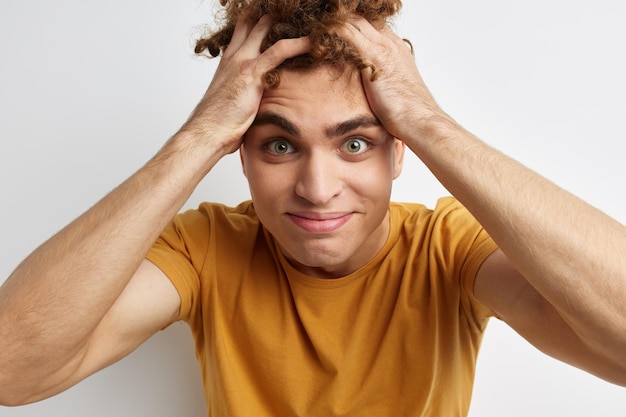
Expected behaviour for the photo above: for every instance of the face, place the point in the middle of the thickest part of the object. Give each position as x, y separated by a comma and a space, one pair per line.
320, 169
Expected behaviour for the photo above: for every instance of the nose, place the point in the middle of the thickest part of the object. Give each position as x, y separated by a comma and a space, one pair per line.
319, 179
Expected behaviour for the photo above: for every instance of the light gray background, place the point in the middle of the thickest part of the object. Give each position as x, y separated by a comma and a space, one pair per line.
90, 90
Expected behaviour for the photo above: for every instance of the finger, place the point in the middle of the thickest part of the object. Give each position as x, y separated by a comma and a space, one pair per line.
282, 50
370, 31
352, 32
243, 27
364, 27
254, 40
362, 34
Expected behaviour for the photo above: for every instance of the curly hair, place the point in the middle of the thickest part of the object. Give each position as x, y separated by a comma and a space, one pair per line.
296, 18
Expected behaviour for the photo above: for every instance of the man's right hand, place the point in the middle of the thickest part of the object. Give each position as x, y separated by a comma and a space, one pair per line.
231, 102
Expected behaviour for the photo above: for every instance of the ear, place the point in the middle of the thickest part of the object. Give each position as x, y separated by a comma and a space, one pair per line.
242, 158
398, 157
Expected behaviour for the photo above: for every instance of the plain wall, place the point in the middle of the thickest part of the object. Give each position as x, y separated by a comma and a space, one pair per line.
90, 90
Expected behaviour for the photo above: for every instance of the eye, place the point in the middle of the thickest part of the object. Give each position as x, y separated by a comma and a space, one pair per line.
279, 147
355, 146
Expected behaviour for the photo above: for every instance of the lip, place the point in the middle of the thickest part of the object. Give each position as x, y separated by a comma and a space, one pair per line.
320, 222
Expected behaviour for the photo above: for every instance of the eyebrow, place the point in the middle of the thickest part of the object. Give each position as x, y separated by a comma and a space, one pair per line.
270, 118
352, 124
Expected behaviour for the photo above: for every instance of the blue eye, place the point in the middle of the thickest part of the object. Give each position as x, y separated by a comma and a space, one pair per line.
355, 146
279, 147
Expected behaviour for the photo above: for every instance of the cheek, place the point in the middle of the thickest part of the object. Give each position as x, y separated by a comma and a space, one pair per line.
267, 182
372, 188
375, 184
377, 175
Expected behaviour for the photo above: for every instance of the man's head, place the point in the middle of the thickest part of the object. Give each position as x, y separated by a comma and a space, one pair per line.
297, 18
319, 163
320, 168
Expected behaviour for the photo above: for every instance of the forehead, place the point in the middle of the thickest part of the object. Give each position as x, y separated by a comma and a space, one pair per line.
323, 93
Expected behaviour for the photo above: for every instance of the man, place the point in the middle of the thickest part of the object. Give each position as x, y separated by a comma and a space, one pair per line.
320, 154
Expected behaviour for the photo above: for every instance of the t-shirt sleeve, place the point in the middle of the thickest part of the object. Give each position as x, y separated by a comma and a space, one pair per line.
180, 252
481, 250
471, 246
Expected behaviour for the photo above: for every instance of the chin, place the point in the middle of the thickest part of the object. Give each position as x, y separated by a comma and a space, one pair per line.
323, 263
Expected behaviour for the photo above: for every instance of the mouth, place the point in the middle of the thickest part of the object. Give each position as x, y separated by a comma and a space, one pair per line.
320, 222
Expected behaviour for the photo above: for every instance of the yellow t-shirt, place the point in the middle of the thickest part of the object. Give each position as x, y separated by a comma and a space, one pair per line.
398, 337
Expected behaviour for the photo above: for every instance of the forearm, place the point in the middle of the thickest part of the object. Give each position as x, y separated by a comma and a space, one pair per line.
573, 254
57, 296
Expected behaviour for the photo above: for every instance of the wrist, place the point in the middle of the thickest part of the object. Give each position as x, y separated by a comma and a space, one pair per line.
431, 129
208, 138
206, 143
187, 157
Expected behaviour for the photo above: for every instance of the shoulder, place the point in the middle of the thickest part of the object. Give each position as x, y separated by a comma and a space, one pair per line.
447, 214
194, 232
448, 233
209, 211
215, 216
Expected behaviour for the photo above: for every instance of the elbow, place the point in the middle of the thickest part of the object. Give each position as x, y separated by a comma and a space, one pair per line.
25, 385
9, 391
10, 398
11, 402
13, 391
607, 364
619, 377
